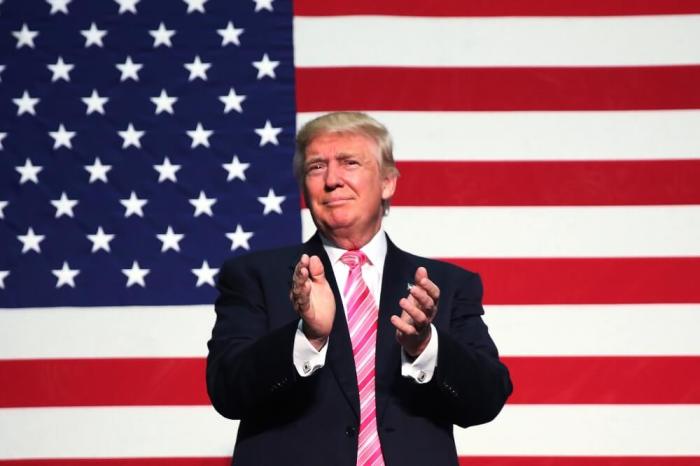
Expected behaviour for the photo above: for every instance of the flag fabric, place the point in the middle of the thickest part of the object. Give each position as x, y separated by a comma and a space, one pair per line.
553, 147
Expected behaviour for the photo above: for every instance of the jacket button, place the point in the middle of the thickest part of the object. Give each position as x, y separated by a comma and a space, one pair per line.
350, 431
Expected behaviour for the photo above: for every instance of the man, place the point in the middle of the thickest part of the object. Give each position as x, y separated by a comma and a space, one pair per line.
346, 350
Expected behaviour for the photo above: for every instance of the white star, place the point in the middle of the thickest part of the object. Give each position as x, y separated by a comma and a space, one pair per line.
2, 68
2, 136
202, 205
235, 169
127, 5
93, 36
29, 172
198, 69
3, 204
263, 5
64, 206
100, 240
131, 137
65, 275
205, 274
26, 104
135, 275
268, 134
162, 36
62, 137
3, 276
232, 101
167, 171
98, 171
239, 238
58, 5
170, 240
200, 136
164, 103
266, 67
30, 241
25, 36
271, 202
133, 205
129, 69
95, 103
230, 34
60, 70
195, 5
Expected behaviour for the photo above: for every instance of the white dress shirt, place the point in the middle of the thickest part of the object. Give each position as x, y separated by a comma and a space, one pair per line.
307, 359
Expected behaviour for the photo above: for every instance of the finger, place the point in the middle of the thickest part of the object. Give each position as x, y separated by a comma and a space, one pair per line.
402, 326
421, 278
421, 273
302, 264
301, 277
302, 298
424, 301
431, 288
419, 317
316, 268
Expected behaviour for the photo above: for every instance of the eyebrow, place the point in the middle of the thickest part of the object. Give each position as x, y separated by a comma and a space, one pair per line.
320, 157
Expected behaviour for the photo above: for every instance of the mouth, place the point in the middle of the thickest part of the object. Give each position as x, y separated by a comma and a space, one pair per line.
336, 201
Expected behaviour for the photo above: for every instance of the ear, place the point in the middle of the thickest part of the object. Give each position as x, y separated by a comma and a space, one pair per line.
389, 185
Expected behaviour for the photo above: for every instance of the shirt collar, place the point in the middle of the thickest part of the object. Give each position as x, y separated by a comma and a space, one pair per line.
375, 250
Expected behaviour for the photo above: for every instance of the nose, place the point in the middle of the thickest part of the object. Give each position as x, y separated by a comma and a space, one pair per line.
333, 177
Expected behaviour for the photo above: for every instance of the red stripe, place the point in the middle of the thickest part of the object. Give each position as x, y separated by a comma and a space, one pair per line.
542, 88
645, 182
604, 380
548, 380
494, 8
463, 461
587, 280
102, 382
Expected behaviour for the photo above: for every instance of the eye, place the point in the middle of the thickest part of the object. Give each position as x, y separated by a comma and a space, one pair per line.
314, 167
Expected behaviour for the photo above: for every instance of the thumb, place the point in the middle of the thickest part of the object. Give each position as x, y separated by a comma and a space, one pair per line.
421, 273
316, 269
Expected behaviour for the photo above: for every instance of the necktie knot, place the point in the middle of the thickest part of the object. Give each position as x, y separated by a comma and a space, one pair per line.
353, 259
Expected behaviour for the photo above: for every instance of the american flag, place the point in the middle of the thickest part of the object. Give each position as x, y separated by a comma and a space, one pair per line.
554, 147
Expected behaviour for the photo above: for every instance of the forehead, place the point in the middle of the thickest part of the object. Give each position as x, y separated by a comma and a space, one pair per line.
332, 144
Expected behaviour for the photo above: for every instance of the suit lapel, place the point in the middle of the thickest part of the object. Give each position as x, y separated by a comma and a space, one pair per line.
398, 273
339, 357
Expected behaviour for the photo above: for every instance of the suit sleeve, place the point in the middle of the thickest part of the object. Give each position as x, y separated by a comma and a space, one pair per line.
249, 367
470, 384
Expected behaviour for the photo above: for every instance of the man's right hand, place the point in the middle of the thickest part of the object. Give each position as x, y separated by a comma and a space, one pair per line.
313, 300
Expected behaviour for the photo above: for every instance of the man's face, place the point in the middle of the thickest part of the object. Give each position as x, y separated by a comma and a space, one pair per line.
344, 186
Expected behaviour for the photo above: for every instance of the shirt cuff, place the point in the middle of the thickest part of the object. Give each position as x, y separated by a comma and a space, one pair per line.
422, 368
305, 357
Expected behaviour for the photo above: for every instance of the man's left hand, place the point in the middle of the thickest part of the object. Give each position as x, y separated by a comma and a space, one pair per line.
418, 311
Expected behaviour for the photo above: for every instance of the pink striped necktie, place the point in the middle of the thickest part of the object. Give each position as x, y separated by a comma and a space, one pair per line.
362, 313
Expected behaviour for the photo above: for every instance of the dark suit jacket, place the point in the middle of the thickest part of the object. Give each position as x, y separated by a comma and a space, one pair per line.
291, 420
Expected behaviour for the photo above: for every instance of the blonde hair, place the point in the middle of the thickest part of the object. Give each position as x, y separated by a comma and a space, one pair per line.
347, 123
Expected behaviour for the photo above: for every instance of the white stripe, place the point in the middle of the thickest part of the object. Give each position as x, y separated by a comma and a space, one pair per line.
573, 330
612, 231
149, 331
555, 41
199, 431
115, 432
586, 430
362, 367
361, 316
595, 135
625, 330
